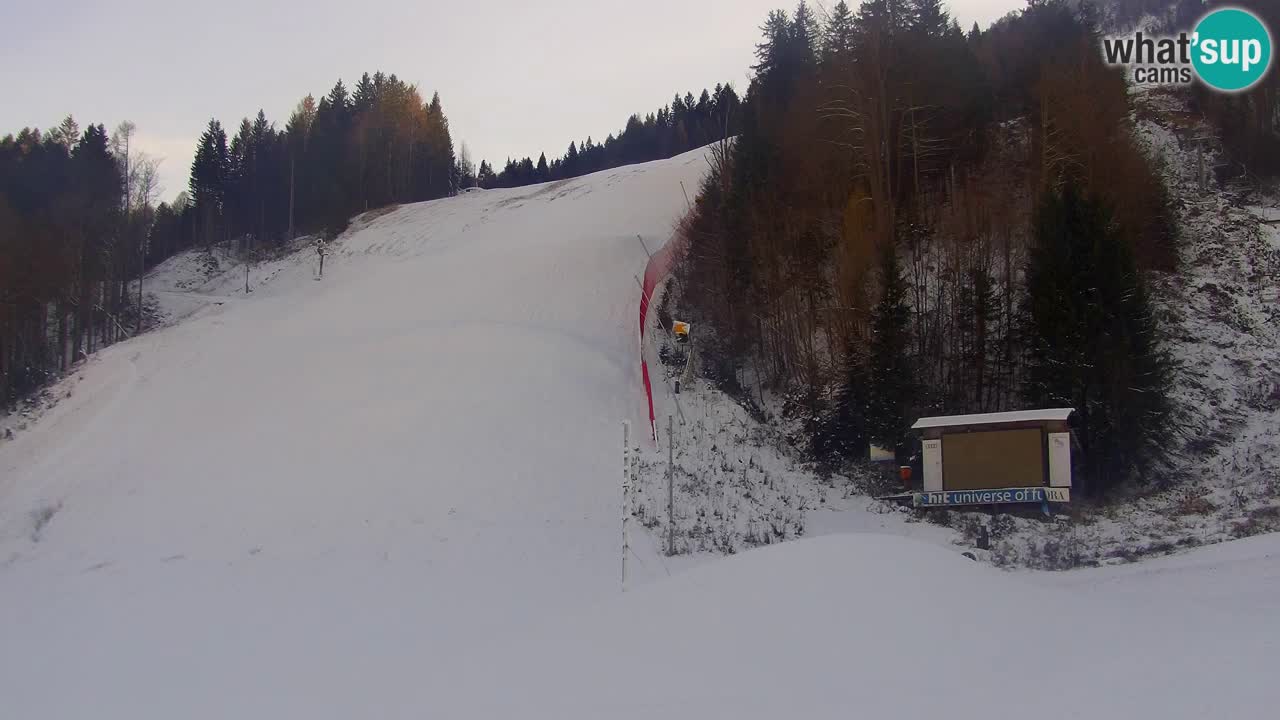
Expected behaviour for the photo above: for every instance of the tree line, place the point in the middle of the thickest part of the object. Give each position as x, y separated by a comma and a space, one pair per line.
377, 145
918, 220
686, 123
79, 220
75, 211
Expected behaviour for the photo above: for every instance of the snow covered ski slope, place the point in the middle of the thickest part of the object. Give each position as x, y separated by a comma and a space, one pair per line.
303, 502
395, 494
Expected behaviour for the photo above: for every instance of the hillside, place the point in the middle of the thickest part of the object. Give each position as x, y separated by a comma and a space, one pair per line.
395, 492
323, 481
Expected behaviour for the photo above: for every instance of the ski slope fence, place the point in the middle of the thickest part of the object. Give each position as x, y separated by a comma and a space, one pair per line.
658, 268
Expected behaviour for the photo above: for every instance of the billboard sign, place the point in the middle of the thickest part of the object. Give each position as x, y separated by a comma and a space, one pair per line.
1003, 496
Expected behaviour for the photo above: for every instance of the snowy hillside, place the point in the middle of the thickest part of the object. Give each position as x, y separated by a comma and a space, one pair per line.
395, 492
288, 492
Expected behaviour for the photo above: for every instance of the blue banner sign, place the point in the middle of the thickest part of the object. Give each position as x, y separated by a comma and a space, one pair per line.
992, 497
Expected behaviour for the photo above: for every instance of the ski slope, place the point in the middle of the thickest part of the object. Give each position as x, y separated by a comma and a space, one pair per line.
394, 493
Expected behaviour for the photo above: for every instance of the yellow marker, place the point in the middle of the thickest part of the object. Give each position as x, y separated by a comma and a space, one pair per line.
681, 329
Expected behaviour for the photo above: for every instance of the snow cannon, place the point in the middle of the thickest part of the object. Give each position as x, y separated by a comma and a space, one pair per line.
680, 330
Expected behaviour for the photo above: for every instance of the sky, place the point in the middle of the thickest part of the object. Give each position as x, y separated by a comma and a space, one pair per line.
516, 78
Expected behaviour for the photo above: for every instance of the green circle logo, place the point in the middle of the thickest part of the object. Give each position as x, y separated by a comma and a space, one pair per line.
1232, 49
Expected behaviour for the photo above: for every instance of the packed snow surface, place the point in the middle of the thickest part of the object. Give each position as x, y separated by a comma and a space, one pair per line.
395, 493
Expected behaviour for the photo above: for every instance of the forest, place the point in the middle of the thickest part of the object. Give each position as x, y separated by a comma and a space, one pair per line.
681, 126
918, 220
79, 219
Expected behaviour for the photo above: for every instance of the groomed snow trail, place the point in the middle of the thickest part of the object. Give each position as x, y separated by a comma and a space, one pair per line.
304, 502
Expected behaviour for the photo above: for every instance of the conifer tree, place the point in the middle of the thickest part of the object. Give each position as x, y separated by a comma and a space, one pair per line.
891, 391
926, 17
844, 432
1092, 342
298, 135
66, 134
208, 183
571, 161
839, 38
806, 36
485, 177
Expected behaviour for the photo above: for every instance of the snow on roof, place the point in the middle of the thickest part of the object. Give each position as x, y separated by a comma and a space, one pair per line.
993, 418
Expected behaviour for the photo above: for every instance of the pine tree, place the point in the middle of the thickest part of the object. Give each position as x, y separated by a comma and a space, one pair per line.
364, 97
330, 196
571, 161
96, 193
543, 174
485, 177
927, 17
880, 16
297, 134
770, 53
67, 134
891, 388
844, 432
806, 37
239, 192
840, 36
1092, 339
208, 184
440, 158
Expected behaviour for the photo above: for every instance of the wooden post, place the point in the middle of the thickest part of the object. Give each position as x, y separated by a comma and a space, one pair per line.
671, 494
626, 482
142, 270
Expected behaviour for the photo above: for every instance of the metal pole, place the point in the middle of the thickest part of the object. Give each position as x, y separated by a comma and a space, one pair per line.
626, 481
142, 270
671, 495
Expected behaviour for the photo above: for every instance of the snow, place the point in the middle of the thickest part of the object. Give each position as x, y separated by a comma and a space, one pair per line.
881, 626
257, 508
395, 492
196, 279
1045, 414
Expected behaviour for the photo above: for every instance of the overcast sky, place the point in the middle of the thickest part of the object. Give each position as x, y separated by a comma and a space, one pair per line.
516, 78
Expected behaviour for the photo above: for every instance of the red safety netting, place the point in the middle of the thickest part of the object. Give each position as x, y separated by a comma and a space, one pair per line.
660, 264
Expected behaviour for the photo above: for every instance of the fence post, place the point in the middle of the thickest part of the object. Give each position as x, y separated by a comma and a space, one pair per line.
671, 494
626, 483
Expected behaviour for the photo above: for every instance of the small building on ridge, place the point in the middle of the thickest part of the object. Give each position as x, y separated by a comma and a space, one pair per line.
993, 458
